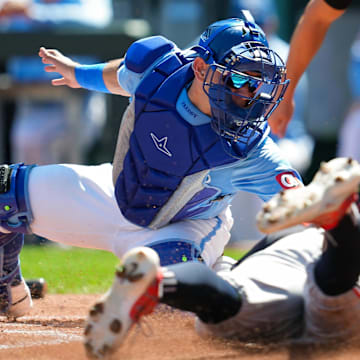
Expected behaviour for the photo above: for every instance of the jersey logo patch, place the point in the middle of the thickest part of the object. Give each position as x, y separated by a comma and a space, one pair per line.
288, 180
161, 144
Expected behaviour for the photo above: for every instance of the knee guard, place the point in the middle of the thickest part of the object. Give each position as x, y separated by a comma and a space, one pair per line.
15, 212
176, 251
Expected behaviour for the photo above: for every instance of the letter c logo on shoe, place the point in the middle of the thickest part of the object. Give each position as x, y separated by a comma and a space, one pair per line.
288, 180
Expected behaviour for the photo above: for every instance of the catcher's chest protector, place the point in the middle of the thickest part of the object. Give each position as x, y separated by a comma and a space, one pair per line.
164, 148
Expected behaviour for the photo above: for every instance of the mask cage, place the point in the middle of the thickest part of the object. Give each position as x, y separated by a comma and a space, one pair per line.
238, 113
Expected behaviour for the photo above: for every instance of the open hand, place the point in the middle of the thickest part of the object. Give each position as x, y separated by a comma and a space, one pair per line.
61, 64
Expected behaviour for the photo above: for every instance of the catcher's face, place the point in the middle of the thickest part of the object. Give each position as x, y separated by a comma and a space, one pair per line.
242, 86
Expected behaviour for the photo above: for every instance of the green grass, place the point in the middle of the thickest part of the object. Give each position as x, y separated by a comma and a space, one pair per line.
75, 270
71, 271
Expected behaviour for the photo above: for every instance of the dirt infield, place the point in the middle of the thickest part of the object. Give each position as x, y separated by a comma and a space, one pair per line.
53, 331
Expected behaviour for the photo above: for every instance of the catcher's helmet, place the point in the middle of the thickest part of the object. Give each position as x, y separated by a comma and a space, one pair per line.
238, 54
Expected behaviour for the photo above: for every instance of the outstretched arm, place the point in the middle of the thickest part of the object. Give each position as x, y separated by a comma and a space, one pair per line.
305, 42
101, 77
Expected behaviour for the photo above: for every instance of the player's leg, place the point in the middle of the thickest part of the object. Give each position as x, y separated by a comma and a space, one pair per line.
15, 217
332, 300
188, 240
196, 288
75, 205
332, 291
338, 269
270, 282
70, 204
15, 297
140, 283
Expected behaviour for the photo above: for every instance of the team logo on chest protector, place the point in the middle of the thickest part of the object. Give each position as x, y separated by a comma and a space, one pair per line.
161, 144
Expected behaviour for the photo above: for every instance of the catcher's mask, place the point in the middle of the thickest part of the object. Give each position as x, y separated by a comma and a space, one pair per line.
245, 81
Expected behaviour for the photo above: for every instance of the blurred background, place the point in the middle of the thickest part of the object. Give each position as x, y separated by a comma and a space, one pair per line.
43, 124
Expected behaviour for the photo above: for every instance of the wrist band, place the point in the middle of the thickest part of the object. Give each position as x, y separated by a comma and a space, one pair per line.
91, 77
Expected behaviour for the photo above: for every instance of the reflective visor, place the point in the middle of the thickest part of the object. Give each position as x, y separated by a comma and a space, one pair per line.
238, 81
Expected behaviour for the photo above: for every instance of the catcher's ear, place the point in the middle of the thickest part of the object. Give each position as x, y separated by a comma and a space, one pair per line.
199, 66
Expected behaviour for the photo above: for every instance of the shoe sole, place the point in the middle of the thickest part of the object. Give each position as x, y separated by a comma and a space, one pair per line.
334, 182
134, 293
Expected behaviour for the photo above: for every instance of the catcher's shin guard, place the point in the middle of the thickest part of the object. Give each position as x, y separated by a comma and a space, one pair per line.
15, 216
15, 299
15, 213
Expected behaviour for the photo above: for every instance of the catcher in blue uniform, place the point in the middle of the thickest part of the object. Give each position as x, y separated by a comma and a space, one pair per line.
195, 132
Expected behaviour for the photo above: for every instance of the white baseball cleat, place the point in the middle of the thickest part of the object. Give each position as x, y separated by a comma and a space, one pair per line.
134, 293
329, 191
